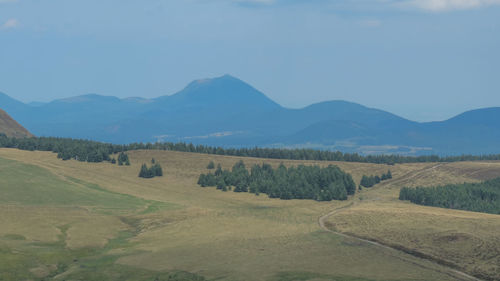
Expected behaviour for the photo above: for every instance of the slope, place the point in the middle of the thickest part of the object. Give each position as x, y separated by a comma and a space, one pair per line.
10, 127
222, 236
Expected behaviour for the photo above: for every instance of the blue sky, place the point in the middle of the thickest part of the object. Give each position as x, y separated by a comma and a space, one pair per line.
421, 59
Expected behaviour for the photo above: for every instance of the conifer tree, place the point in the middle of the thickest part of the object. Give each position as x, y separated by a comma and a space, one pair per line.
144, 172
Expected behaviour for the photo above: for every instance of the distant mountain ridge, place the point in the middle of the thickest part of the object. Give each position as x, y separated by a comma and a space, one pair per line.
228, 112
11, 128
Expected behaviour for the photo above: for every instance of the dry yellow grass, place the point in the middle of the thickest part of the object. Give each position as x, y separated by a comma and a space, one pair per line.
467, 240
225, 235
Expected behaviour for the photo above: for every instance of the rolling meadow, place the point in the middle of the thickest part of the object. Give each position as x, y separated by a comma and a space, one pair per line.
71, 220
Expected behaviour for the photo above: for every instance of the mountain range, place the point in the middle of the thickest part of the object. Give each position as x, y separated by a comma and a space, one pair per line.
226, 111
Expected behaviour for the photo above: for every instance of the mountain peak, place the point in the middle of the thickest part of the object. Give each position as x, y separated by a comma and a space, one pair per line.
223, 91
226, 78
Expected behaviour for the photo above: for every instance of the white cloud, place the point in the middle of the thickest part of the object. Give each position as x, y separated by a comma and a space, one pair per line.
447, 5
9, 24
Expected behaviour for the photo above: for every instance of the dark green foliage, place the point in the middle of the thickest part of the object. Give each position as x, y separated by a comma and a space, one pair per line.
218, 171
91, 151
479, 197
207, 180
154, 171
145, 172
339, 192
113, 161
211, 165
153, 161
387, 176
301, 182
123, 159
369, 181
157, 170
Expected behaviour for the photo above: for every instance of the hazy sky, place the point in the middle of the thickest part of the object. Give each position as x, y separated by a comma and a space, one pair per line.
421, 59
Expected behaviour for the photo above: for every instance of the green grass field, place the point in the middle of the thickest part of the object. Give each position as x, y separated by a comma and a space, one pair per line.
68, 220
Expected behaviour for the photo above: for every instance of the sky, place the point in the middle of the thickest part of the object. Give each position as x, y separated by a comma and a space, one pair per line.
421, 59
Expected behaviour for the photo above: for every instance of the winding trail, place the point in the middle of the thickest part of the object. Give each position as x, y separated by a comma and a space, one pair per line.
398, 253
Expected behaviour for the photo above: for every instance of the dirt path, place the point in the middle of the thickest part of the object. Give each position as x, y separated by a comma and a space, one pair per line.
398, 253
413, 174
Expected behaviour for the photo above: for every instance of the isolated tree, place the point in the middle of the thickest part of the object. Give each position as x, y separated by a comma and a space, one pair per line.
202, 180
211, 165
144, 172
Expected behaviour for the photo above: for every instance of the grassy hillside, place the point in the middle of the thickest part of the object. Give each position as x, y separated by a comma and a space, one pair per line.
70, 220
465, 240
10, 127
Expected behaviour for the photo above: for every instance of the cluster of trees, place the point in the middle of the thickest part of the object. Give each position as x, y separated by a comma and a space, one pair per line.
301, 182
479, 197
154, 171
91, 151
122, 159
369, 181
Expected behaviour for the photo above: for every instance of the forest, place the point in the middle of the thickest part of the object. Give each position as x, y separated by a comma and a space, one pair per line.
301, 182
478, 197
92, 151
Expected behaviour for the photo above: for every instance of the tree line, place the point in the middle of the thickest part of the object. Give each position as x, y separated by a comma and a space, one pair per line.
301, 182
369, 181
92, 151
479, 197
81, 150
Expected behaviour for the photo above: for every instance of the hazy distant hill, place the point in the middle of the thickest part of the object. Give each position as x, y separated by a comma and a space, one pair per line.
10, 127
227, 111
